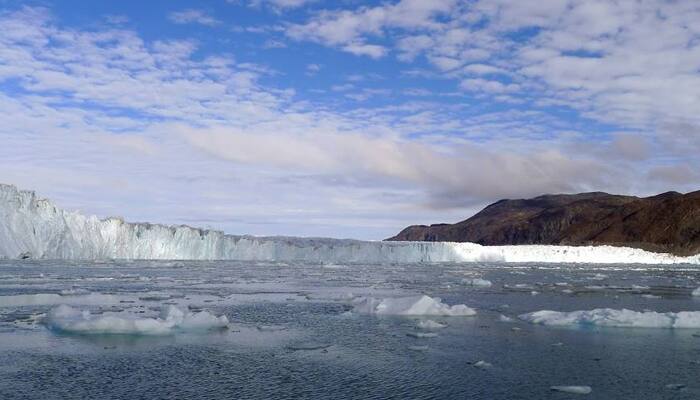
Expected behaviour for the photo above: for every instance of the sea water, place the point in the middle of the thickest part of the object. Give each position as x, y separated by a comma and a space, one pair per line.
262, 330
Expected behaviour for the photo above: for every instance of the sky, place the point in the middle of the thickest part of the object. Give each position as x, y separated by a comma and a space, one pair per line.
344, 118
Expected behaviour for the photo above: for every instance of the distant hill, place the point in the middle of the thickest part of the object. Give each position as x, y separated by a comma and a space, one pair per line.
669, 222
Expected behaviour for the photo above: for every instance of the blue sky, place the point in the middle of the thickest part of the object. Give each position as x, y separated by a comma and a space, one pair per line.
344, 118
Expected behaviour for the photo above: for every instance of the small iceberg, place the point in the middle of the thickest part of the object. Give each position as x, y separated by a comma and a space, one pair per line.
572, 389
422, 335
504, 318
71, 320
477, 282
608, 317
430, 324
413, 305
598, 277
482, 365
676, 386
309, 346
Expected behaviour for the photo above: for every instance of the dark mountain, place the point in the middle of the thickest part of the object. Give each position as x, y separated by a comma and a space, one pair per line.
669, 222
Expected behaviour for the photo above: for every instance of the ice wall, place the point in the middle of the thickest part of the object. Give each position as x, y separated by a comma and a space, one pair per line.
34, 227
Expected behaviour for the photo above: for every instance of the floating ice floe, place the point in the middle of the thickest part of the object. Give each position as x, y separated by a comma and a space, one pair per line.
430, 324
422, 335
482, 365
675, 386
608, 317
572, 389
413, 305
74, 292
504, 318
39, 299
477, 282
308, 346
71, 320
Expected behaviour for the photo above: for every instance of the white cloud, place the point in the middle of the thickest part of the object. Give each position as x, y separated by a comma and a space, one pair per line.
274, 44
631, 146
623, 62
370, 50
193, 16
117, 19
313, 69
112, 123
452, 173
484, 69
347, 28
280, 4
490, 86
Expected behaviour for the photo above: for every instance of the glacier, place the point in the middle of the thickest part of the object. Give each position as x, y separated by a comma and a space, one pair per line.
32, 227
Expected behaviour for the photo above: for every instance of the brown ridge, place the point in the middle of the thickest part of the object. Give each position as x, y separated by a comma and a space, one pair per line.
668, 222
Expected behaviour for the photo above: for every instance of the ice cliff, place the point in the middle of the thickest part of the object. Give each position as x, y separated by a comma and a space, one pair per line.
31, 227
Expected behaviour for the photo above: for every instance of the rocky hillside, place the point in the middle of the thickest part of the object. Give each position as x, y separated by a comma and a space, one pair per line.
669, 222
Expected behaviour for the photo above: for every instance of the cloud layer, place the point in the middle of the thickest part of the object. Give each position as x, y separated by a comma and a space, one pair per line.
484, 100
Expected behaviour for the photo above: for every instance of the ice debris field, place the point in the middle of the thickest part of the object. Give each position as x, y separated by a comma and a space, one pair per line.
327, 317
31, 227
414, 330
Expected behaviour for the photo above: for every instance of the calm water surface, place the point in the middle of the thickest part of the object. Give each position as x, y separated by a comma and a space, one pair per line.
293, 334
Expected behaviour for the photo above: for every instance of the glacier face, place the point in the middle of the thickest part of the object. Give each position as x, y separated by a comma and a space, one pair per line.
36, 228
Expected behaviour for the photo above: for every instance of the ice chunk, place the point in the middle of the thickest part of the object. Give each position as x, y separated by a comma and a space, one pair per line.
572, 389
413, 305
523, 286
615, 318
74, 292
676, 386
422, 335
478, 282
68, 319
482, 365
309, 346
504, 318
696, 292
430, 324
